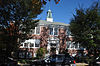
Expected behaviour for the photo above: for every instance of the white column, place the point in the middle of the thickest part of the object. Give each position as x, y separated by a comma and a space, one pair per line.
74, 46
40, 29
34, 54
23, 45
35, 31
34, 42
57, 49
70, 46
78, 45
49, 47
28, 45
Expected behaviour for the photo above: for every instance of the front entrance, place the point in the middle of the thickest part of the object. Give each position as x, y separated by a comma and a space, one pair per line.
53, 51
53, 45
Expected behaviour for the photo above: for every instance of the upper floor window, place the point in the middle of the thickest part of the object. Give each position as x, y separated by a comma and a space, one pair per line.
32, 31
56, 31
68, 44
51, 31
68, 32
37, 30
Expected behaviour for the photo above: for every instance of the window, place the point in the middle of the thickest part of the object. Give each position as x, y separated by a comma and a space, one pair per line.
31, 45
21, 45
56, 31
51, 31
68, 44
37, 30
37, 43
26, 45
68, 32
28, 55
32, 31
22, 54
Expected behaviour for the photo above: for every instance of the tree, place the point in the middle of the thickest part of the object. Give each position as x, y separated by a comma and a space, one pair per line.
13, 14
41, 53
45, 1
85, 27
16, 20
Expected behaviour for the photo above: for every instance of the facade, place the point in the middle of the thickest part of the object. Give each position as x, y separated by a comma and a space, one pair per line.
54, 36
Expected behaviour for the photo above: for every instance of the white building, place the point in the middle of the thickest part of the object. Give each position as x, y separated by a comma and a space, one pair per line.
55, 36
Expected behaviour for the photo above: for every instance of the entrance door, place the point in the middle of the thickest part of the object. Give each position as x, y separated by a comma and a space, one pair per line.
53, 50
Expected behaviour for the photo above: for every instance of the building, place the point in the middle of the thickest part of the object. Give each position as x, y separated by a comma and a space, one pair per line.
54, 36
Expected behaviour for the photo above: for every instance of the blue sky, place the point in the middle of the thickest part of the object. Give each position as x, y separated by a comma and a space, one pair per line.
64, 11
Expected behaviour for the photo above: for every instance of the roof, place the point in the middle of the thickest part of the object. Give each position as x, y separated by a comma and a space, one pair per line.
44, 22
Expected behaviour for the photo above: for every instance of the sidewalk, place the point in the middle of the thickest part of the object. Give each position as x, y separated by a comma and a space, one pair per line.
20, 64
81, 64
77, 64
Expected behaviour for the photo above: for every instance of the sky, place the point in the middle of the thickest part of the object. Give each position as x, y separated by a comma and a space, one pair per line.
64, 10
